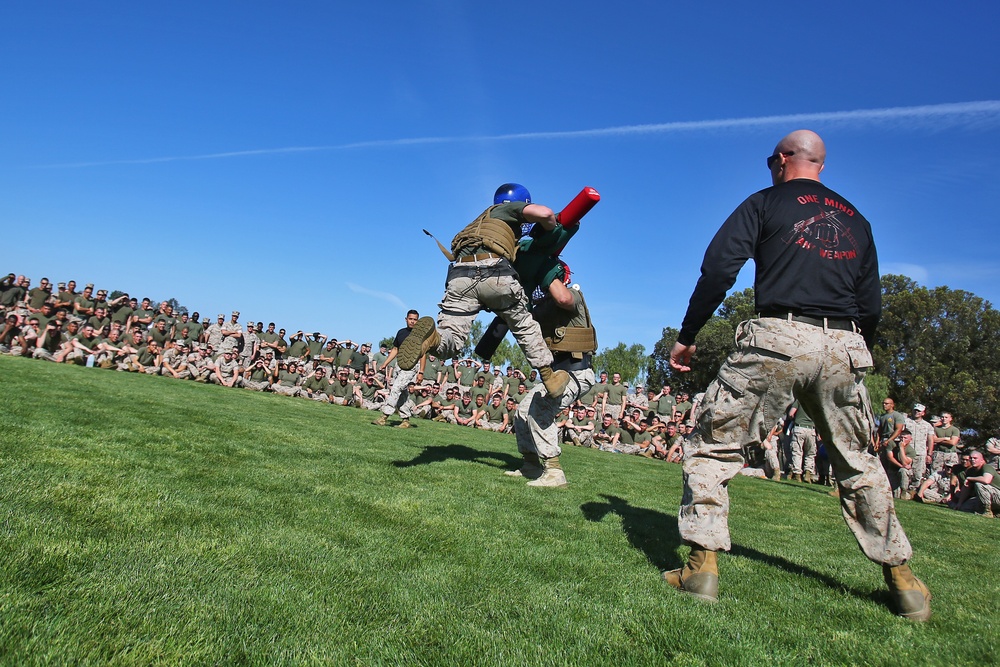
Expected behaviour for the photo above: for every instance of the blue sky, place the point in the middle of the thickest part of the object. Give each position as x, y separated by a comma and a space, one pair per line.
282, 160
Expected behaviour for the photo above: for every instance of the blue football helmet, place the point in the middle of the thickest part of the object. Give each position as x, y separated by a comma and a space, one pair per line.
511, 192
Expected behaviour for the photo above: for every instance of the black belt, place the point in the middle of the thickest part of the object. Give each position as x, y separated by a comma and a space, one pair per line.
823, 322
564, 361
501, 268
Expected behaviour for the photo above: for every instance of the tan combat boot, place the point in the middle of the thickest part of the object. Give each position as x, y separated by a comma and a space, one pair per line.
700, 577
552, 475
807, 477
380, 421
910, 596
555, 381
424, 337
405, 423
530, 469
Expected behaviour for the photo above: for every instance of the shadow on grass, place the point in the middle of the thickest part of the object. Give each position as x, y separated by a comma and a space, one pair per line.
440, 453
655, 535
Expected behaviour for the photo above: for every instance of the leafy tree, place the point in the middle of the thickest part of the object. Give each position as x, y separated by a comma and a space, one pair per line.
738, 307
878, 391
933, 346
629, 361
475, 333
387, 341
174, 303
714, 343
115, 294
508, 353
938, 347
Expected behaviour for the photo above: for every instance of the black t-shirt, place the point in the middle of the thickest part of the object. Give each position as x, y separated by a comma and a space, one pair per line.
814, 256
401, 336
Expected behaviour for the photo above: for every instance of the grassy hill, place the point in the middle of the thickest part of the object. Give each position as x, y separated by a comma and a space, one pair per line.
154, 521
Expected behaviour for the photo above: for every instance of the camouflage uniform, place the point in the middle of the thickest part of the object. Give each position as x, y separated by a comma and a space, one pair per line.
214, 337
920, 430
399, 397
754, 386
535, 419
535, 422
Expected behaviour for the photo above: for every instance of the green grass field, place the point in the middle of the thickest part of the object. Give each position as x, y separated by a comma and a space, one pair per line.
153, 521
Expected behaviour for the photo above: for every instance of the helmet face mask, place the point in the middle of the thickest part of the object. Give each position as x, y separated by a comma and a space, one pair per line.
509, 192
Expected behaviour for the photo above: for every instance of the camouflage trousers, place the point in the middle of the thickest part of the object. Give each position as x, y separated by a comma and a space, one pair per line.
918, 470
989, 497
614, 410
399, 398
776, 362
475, 286
535, 419
803, 447
944, 459
256, 386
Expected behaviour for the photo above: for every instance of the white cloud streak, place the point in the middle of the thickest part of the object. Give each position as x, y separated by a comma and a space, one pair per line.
384, 296
936, 116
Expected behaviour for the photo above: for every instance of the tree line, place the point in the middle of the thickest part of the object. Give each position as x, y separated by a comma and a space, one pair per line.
933, 346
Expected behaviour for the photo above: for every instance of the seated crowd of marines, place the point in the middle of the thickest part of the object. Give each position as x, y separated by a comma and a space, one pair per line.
59, 324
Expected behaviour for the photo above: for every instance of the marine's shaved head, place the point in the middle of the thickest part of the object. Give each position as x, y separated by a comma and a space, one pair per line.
801, 154
806, 145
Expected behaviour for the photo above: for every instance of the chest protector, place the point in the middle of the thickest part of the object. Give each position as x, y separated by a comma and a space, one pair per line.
567, 331
495, 235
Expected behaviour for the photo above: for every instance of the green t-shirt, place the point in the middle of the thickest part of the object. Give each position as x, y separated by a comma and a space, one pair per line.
665, 406
286, 379
479, 391
160, 337
37, 296
610, 431
368, 391
990, 470
99, 323
465, 409
804, 420
495, 413
341, 390
122, 314
315, 384
431, 369
297, 349
616, 393
194, 329
946, 432
589, 396
83, 302
887, 423
259, 374
518, 396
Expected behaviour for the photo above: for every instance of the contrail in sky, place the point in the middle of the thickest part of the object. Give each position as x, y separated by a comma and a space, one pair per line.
385, 296
960, 113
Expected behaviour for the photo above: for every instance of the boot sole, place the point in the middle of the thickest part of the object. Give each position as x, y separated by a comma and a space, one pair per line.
410, 350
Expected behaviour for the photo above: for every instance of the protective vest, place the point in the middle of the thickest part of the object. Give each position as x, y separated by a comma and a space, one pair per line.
490, 233
567, 331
